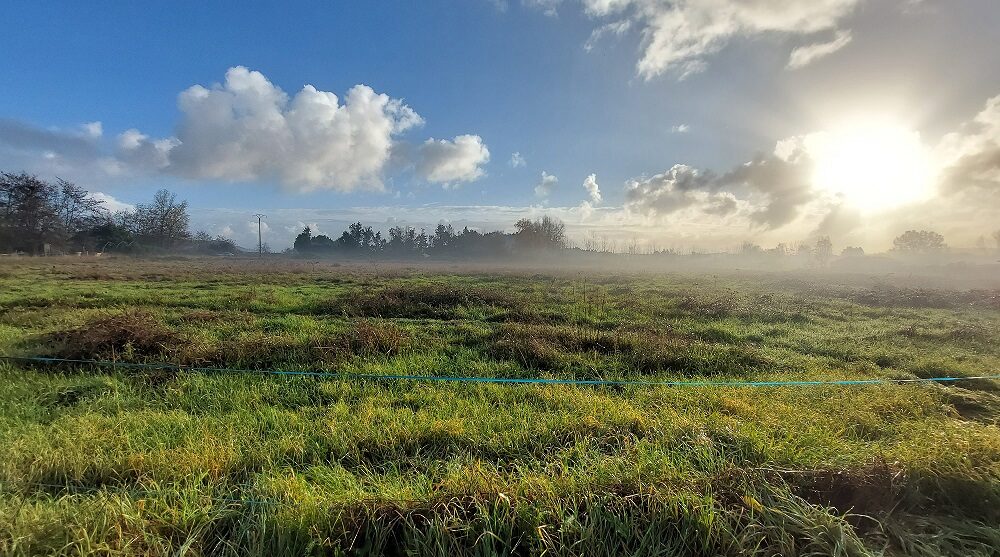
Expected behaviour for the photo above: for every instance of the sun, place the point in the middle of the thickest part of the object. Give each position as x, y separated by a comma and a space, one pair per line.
873, 165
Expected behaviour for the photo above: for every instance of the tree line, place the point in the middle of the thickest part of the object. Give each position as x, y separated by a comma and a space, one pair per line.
50, 217
42, 217
529, 236
911, 242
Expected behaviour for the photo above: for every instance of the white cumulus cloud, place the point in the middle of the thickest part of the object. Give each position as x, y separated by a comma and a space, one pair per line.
448, 162
251, 227
110, 203
593, 190
546, 185
248, 129
93, 129
516, 160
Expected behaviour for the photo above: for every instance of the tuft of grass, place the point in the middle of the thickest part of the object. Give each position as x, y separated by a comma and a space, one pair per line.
641, 350
264, 350
368, 339
420, 301
133, 333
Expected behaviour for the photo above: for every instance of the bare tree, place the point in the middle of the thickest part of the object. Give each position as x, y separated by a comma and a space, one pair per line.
162, 223
75, 207
544, 233
27, 216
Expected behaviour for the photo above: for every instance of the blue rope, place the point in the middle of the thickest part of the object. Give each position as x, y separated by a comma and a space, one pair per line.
136, 490
499, 380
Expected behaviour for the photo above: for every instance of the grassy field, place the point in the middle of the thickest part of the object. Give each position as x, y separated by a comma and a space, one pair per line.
106, 461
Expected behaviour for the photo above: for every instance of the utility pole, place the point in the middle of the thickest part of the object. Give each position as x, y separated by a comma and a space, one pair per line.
260, 243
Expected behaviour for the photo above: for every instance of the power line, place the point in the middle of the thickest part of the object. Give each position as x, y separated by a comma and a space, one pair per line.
260, 242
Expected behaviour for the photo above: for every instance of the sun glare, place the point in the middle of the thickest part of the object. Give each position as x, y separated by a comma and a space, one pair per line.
872, 166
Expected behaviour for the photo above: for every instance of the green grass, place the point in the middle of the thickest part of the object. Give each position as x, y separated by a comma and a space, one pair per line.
120, 462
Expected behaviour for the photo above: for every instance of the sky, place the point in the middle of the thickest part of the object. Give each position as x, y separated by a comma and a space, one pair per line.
687, 124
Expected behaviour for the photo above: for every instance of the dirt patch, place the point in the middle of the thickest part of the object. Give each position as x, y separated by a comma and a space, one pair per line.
870, 489
881, 487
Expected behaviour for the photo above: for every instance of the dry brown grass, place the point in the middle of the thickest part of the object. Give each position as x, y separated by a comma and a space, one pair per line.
129, 334
762, 307
374, 338
260, 350
886, 296
206, 316
420, 302
137, 335
643, 350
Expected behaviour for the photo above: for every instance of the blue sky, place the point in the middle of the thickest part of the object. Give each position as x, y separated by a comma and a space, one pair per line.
518, 76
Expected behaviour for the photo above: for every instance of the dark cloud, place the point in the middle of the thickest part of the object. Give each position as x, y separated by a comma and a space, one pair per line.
680, 188
721, 205
839, 222
25, 137
784, 185
974, 154
979, 171
779, 188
